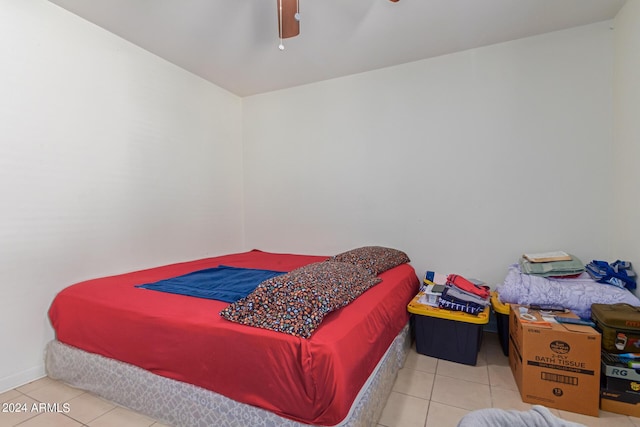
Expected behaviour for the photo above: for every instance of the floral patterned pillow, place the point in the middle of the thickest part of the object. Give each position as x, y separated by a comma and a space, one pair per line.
374, 259
295, 303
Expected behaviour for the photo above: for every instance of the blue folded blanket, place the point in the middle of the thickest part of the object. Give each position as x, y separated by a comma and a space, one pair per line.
221, 283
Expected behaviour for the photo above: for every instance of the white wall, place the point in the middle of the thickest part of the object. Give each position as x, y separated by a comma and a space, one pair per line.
464, 161
626, 171
111, 160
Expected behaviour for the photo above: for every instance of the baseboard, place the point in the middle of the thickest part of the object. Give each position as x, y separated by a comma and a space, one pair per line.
21, 378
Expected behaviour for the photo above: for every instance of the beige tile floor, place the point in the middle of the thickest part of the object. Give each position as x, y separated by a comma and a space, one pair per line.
436, 393
428, 393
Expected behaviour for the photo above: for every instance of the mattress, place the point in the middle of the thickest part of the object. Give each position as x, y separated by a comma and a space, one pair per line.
313, 381
180, 404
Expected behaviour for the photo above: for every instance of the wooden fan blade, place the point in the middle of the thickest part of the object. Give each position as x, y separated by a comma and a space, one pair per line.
289, 27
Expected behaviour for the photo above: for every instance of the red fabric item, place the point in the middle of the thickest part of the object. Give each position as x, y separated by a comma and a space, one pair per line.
314, 381
465, 285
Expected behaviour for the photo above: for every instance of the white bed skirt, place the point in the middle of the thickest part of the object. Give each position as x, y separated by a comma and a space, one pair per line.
180, 404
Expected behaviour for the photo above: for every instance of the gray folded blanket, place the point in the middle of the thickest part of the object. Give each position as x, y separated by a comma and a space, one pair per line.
538, 416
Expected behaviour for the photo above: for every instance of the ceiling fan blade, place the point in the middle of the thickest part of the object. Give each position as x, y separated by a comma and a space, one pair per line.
288, 25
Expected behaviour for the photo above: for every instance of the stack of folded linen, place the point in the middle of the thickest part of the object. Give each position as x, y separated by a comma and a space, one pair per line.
461, 294
551, 264
619, 273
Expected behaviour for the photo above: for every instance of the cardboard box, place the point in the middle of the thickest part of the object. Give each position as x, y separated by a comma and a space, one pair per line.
555, 365
620, 402
620, 386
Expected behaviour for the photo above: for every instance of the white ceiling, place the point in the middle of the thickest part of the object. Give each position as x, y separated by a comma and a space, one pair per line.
234, 43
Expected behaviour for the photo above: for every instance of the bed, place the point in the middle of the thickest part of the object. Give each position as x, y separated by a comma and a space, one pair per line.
173, 357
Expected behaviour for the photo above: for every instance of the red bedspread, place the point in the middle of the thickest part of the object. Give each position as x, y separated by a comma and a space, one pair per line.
314, 380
